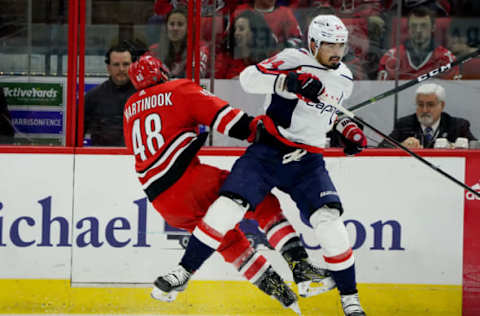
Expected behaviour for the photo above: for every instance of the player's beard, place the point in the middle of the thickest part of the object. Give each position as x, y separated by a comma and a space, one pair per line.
425, 119
333, 63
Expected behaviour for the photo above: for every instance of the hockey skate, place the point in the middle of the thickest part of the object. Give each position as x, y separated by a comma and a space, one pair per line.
310, 279
351, 305
167, 287
272, 284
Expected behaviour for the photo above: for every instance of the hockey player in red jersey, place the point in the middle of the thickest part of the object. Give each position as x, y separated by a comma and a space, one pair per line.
280, 19
160, 128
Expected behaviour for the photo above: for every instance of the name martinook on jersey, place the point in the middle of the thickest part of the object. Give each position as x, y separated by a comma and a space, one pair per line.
144, 104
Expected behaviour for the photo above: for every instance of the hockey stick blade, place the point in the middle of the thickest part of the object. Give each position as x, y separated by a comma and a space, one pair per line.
411, 153
426, 76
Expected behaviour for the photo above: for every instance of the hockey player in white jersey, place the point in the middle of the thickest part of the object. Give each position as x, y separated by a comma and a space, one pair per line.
302, 89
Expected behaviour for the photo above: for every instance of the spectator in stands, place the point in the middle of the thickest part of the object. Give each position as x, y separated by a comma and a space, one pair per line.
6, 126
421, 129
376, 30
438, 7
104, 103
281, 20
251, 41
457, 40
459, 45
223, 14
173, 52
163, 7
349, 8
419, 54
221, 18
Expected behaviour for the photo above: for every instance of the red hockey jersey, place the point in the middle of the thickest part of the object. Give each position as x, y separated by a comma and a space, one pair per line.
227, 67
351, 8
438, 57
160, 127
281, 21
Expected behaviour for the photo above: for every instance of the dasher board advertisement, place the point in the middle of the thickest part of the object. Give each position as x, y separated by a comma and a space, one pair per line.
89, 221
37, 110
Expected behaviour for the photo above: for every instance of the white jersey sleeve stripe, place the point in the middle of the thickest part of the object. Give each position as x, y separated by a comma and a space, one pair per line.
220, 116
233, 122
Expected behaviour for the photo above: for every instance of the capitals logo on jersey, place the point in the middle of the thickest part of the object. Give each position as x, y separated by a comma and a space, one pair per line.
297, 119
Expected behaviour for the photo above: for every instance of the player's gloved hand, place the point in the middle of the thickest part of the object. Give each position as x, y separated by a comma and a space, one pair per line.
305, 85
254, 126
353, 137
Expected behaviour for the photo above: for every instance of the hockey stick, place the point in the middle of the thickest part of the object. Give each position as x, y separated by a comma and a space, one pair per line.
411, 153
419, 79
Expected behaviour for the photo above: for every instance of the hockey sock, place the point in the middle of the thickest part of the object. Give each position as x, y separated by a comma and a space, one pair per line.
195, 254
280, 233
254, 267
345, 280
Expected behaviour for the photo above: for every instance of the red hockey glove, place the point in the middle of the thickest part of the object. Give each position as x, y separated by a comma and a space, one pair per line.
254, 124
305, 85
353, 137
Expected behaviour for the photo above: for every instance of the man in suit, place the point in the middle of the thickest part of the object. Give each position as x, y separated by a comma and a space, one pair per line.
421, 129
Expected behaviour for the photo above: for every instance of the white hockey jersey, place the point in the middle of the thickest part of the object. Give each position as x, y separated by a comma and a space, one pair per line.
296, 120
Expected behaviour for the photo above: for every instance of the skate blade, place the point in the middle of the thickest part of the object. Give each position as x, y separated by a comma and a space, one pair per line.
295, 307
309, 288
163, 296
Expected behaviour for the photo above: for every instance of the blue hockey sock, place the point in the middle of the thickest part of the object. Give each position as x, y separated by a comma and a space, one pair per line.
345, 280
195, 254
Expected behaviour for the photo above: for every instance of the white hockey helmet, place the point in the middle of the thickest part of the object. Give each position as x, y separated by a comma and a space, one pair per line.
326, 28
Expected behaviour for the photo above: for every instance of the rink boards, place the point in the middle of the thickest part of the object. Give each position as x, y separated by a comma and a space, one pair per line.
77, 235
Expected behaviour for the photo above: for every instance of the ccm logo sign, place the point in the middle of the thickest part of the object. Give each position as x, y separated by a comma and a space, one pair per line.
434, 72
470, 196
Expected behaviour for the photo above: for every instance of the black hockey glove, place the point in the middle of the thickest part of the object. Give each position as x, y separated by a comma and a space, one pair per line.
351, 148
304, 85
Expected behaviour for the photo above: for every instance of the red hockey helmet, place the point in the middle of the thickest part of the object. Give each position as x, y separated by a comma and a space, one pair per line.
147, 71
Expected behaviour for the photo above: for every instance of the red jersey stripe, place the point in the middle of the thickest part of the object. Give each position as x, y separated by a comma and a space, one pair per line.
255, 267
340, 258
210, 231
280, 234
